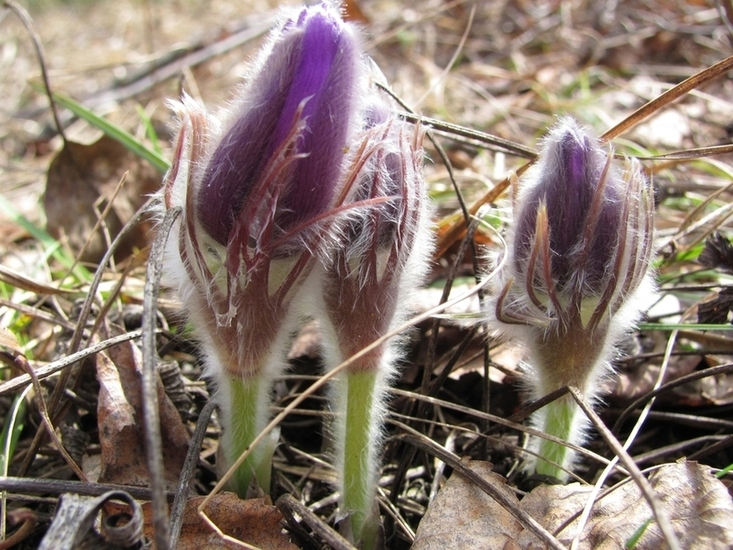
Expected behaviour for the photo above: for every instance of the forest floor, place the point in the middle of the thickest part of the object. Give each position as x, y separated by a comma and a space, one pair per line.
508, 69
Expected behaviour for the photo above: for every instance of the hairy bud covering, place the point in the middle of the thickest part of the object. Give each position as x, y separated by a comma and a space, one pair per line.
579, 255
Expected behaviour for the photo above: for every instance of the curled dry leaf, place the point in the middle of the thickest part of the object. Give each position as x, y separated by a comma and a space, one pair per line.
73, 526
463, 516
81, 176
120, 417
699, 506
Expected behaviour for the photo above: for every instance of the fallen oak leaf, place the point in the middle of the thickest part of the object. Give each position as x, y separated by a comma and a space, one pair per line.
699, 506
463, 516
254, 521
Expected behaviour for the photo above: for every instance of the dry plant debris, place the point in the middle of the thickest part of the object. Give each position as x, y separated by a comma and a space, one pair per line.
457, 516
503, 68
701, 512
119, 415
700, 508
82, 181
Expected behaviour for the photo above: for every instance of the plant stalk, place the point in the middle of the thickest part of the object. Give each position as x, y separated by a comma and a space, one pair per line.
559, 421
359, 460
248, 415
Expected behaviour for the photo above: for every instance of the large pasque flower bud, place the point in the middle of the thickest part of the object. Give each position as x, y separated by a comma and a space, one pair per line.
579, 255
255, 193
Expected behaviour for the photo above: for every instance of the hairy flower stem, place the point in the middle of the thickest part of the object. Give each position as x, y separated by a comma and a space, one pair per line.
559, 422
359, 453
247, 418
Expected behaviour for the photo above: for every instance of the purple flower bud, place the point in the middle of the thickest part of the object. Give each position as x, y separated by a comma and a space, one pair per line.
298, 104
582, 239
255, 206
257, 202
381, 255
579, 256
572, 171
383, 237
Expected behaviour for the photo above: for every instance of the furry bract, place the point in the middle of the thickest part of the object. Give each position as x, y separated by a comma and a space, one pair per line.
579, 254
255, 191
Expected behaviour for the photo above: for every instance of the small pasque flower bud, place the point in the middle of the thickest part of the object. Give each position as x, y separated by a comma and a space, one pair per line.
382, 255
579, 255
255, 195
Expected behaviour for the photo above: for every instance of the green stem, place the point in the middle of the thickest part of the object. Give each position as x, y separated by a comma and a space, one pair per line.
359, 460
559, 422
248, 414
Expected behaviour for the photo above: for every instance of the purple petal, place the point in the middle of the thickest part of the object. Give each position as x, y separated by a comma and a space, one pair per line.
328, 77
569, 175
312, 68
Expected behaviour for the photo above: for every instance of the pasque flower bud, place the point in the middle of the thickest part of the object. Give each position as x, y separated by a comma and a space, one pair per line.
384, 243
255, 195
579, 254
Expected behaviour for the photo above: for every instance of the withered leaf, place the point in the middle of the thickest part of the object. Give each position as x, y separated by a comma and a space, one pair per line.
78, 177
716, 310
463, 516
73, 524
698, 504
120, 419
717, 253
253, 521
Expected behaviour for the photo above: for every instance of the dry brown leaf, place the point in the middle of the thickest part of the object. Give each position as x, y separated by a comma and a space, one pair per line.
699, 506
463, 516
120, 421
253, 521
78, 176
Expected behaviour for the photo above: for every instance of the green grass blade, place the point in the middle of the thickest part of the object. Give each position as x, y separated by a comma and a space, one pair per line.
724, 471
12, 429
113, 131
636, 536
683, 326
50, 245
